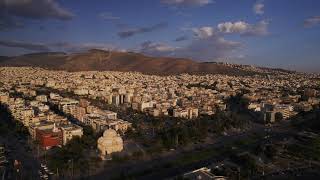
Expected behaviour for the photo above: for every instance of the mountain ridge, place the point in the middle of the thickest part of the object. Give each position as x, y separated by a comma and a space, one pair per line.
101, 60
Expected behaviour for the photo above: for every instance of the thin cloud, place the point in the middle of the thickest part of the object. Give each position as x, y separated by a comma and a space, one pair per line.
233, 27
24, 45
58, 46
80, 47
9, 23
259, 29
244, 28
258, 7
108, 16
35, 9
312, 21
156, 49
187, 2
205, 45
208, 44
181, 38
203, 32
14, 12
141, 30
208, 49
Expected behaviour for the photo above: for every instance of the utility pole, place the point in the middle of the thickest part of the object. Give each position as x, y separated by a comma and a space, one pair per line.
38, 150
309, 163
72, 168
45, 156
4, 172
58, 173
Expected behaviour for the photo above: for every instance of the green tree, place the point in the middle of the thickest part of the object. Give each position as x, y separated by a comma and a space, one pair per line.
278, 117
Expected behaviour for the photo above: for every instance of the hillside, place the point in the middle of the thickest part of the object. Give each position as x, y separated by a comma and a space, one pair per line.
45, 60
3, 58
119, 61
307, 120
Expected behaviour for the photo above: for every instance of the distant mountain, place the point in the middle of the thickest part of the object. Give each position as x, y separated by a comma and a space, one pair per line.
100, 60
3, 58
45, 60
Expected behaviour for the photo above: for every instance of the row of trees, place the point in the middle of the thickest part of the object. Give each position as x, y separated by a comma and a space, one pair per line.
309, 150
181, 132
307, 120
74, 157
9, 125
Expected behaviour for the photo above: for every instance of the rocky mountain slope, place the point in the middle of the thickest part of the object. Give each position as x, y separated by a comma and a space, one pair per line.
99, 60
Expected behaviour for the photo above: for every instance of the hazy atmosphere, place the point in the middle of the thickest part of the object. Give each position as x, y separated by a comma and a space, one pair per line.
268, 33
160, 89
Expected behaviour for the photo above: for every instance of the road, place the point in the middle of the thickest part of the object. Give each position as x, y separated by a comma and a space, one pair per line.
20, 151
165, 172
144, 167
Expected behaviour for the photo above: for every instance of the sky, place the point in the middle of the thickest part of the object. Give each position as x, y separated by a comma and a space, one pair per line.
272, 33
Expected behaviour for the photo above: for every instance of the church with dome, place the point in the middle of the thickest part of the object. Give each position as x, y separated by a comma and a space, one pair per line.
109, 143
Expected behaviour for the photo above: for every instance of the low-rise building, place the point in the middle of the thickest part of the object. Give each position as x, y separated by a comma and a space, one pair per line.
69, 131
49, 138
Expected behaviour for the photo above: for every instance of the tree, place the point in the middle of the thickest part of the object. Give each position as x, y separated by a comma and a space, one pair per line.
278, 117
20, 129
71, 157
89, 138
271, 151
3, 128
155, 125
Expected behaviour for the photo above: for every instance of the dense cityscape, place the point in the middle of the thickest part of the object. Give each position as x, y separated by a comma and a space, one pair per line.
159, 90
86, 124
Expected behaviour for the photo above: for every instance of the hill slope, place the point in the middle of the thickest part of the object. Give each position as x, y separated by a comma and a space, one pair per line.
119, 61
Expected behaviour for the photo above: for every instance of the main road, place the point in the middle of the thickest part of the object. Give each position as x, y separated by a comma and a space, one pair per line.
161, 167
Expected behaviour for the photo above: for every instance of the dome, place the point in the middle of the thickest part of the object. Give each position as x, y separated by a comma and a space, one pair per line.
110, 142
109, 133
